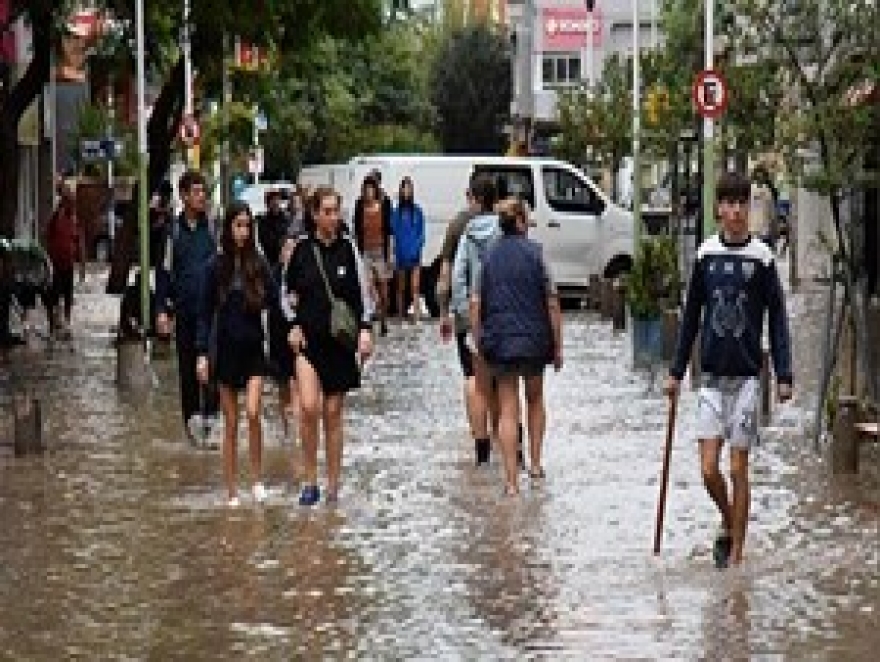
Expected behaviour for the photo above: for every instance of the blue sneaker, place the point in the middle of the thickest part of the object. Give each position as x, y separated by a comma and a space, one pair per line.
310, 495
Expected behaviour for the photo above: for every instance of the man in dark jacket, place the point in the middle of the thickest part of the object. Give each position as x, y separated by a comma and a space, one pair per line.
272, 226
189, 244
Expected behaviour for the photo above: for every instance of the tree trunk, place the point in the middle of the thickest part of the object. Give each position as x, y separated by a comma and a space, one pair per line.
12, 106
161, 130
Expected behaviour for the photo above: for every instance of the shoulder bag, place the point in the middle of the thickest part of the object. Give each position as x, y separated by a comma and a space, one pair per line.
343, 325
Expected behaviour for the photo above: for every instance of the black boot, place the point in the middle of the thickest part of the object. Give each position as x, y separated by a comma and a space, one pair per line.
484, 450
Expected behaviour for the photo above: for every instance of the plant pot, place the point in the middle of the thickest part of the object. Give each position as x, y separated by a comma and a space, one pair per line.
647, 338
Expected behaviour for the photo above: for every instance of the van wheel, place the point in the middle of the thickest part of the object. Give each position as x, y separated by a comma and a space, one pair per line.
619, 265
429, 287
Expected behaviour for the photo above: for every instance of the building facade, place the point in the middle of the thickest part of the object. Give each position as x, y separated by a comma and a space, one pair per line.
558, 44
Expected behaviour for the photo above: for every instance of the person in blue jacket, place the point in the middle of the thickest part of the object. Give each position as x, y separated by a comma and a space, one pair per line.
408, 229
237, 288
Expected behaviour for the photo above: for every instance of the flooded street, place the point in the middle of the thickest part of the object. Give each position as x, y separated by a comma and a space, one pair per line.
117, 543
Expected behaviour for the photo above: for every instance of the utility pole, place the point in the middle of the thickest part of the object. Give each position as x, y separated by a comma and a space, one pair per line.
143, 162
709, 131
590, 47
188, 102
637, 128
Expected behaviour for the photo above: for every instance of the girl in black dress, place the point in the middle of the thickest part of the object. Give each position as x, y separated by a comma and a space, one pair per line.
237, 287
324, 365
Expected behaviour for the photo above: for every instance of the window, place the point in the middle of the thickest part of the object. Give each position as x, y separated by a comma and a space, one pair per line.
567, 192
511, 181
561, 69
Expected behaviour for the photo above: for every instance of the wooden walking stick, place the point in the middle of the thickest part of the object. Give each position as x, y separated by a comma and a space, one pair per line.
664, 479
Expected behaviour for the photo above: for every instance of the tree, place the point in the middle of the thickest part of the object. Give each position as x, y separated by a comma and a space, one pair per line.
827, 54
471, 89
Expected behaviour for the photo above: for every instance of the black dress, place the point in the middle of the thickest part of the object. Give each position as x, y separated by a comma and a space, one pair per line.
230, 332
335, 364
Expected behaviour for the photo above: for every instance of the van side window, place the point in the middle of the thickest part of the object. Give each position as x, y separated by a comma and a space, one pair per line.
511, 181
567, 193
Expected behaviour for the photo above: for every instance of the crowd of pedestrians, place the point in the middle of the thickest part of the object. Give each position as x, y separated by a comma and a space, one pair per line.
293, 295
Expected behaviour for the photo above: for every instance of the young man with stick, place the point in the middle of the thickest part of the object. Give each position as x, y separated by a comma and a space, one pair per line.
734, 284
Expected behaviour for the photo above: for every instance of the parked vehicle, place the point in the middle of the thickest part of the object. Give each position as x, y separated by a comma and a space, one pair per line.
582, 231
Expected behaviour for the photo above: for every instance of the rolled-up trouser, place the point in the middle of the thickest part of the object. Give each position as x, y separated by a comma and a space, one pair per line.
185, 340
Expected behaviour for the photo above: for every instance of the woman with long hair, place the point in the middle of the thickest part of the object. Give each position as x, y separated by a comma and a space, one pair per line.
326, 270
408, 228
237, 287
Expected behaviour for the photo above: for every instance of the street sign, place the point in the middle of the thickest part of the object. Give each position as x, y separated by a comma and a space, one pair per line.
190, 131
710, 94
105, 149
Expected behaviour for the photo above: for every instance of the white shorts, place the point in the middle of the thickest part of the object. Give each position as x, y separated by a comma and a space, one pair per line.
727, 409
376, 264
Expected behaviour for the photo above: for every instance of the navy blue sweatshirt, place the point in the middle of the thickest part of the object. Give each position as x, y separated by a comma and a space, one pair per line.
178, 276
236, 324
732, 286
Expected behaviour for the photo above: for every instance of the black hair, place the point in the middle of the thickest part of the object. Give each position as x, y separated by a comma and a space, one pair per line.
189, 179
483, 190
733, 187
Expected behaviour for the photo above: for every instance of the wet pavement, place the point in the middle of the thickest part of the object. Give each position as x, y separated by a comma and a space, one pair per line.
117, 544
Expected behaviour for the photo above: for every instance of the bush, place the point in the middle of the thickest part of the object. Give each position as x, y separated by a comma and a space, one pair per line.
654, 282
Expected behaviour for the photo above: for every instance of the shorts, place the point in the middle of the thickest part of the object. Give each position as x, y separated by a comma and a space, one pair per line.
727, 409
521, 368
376, 264
465, 354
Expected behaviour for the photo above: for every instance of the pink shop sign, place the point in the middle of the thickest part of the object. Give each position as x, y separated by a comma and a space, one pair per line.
565, 28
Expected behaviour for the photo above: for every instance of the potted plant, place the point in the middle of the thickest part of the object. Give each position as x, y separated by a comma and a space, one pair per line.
653, 286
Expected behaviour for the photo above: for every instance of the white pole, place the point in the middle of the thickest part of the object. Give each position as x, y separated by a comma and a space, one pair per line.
654, 24
637, 126
111, 212
709, 132
143, 162
591, 54
188, 102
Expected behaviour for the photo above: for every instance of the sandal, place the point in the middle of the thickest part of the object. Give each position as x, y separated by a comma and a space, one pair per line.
537, 474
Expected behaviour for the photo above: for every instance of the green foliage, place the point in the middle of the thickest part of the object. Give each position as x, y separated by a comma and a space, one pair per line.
471, 89
94, 123
654, 282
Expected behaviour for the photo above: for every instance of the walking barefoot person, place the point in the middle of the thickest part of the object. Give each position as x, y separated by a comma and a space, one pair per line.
237, 287
326, 366
517, 321
733, 286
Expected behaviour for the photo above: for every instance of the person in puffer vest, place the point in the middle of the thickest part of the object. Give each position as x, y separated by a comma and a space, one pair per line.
517, 322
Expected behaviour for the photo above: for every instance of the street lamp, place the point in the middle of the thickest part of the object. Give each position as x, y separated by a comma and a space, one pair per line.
637, 128
590, 47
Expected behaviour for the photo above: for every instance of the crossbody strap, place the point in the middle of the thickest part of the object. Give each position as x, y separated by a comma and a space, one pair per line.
320, 261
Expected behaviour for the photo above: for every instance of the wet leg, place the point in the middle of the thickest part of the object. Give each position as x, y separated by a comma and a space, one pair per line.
536, 414
255, 428
333, 439
229, 404
739, 475
310, 399
508, 432
716, 486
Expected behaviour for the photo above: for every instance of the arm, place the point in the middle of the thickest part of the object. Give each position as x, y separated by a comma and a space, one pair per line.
359, 224
780, 337
163, 275
420, 227
554, 311
367, 307
459, 285
386, 229
690, 323
205, 311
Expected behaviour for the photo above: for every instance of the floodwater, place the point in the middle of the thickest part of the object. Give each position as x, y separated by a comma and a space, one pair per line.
117, 543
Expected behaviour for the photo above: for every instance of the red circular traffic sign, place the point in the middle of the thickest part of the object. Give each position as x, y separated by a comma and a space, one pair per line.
710, 93
190, 132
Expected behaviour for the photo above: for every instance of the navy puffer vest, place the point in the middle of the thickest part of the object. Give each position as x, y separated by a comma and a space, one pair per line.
515, 322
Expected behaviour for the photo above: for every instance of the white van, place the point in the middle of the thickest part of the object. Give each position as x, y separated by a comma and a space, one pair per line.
582, 231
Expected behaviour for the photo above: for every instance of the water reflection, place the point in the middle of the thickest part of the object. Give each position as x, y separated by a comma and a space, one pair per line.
116, 543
